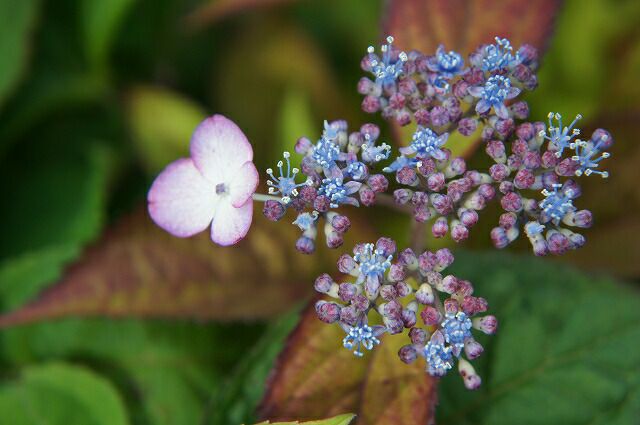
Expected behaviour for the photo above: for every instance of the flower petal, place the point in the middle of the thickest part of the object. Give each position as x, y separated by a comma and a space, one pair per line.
231, 224
243, 184
181, 200
219, 148
476, 91
501, 111
483, 106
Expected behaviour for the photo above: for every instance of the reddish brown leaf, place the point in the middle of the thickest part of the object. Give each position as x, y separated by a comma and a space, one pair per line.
214, 10
315, 377
139, 270
465, 24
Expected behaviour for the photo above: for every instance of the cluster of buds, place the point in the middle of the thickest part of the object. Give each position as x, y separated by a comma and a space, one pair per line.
410, 292
339, 170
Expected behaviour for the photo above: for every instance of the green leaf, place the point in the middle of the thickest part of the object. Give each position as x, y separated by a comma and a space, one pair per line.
336, 420
565, 340
214, 10
165, 371
58, 393
315, 376
17, 19
162, 122
100, 20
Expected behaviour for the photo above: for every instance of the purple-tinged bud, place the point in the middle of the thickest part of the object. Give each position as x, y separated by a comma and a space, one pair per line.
321, 204
443, 204
408, 354
549, 159
334, 239
499, 237
451, 306
418, 336
461, 89
474, 77
387, 246
341, 223
528, 54
486, 324
487, 191
424, 294
388, 292
303, 145
452, 106
308, 193
349, 315
370, 104
427, 261
457, 166
459, 231
465, 288
346, 264
567, 167
407, 176
499, 172
524, 179
408, 258
449, 284
397, 101
394, 325
430, 316
511, 202
403, 117
572, 186
402, 196
407, 86
323, 283
532, 160
495, 149
602, 139
360, 302
420, 199
440, 227
403, 289
409, 318
506, 187
473, 349
514, 161
328, 312
346, 291
474, 305
520, 110
526, 131
582, 218
422, 117
273, 210
522, 73
519, 147
427, 167
549, 179
487, 133
378, 183
504, 127
471, 379
305, 245
421, 213
557, 243
444, 258
372, 287
439, 116
396, 273
508, 220
370, 129
367, 196
356, 139
468, 218
436, 182
467, 126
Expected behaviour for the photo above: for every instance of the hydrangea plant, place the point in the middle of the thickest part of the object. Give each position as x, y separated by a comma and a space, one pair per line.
532, 176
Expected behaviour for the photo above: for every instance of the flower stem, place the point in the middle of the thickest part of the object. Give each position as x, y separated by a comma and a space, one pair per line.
263, 198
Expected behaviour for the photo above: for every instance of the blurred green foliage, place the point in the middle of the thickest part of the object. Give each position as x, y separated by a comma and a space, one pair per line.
97, 95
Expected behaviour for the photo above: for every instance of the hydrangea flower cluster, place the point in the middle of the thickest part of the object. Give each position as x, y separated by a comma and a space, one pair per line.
339, 172
407, 291
532, 177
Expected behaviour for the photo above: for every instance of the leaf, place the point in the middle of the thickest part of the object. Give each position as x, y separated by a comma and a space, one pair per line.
140, 270
566, 339
58, 393
216, 10
337, 420
463, 25
165, 371
314, 377
17, 19
100, 21
162, 122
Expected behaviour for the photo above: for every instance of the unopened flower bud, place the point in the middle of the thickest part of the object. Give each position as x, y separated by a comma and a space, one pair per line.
430, 316
328, 312
323, 283
407, 354
440, 227
424, 294
486, 324
273, 210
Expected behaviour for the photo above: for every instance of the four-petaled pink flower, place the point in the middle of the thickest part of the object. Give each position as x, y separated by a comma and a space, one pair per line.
212, 187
